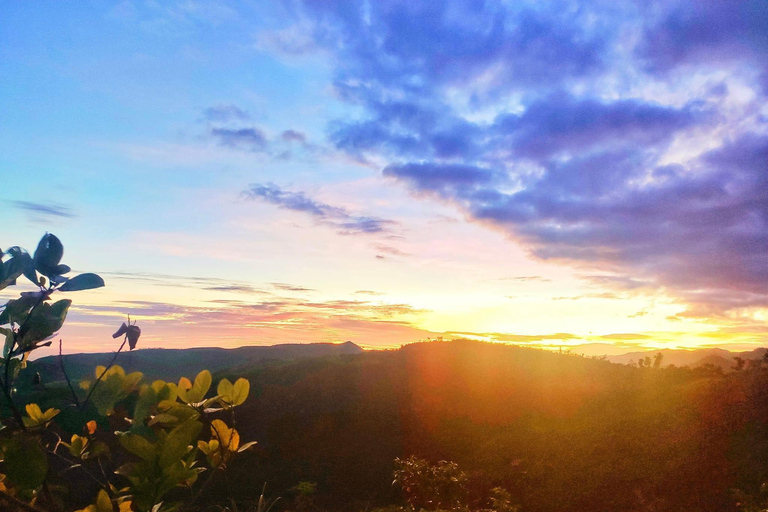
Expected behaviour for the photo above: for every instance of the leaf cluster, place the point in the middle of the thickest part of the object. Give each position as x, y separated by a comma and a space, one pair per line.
116, 443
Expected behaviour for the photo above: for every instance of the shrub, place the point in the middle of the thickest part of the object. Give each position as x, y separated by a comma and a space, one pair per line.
114, 442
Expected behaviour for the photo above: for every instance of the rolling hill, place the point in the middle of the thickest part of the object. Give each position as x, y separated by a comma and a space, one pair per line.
171, 364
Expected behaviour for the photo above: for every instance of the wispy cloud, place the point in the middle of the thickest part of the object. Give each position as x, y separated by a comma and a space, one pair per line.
367, 292
392, 251
539, 279
290, 287
345, 222
41, 211
224, 113
198, 282
278, 320
249, 139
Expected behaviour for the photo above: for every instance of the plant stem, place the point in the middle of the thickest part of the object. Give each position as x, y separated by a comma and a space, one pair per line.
66, 377
111, 363
85, 470
203, 488
6, 384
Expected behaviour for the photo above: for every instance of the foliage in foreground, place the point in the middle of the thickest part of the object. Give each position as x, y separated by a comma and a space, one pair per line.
113, 442
443, 487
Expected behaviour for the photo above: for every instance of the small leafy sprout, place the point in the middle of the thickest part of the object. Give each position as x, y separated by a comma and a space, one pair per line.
224, 444
232, 395
194, 394
77, 445
37, 417
131, 332
104, 504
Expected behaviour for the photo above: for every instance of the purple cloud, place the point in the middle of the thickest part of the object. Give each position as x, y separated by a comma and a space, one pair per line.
249, 139
712, 32
42, 210
294, 136
224, 113
339, 218
624, 137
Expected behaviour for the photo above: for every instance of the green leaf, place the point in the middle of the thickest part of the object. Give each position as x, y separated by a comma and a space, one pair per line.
149, 397
82, 282
199, 389
16, 310
176, 444
103, 503
224, 390
25, 260
7, 345
114, 386
233, 394
240, 391
25, 462
46, 319
138, 445
163, 419
9, 272
48, 255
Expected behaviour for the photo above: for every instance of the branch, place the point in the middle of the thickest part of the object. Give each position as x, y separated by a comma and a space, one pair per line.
11, 504
66, 377
111, 364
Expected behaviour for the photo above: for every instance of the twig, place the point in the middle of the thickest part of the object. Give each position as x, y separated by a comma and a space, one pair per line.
49, 496
203, 488
66, 377
85, 470
111, 363
10, 503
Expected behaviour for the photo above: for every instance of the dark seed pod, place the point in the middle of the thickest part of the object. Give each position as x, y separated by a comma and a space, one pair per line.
133, 335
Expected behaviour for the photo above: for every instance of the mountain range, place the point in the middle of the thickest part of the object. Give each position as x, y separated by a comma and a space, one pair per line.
171, 364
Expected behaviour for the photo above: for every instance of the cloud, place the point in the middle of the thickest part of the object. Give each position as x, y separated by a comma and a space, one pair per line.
294, 136
234, 323
39, 210
518, 338
248, 139
627, 140
201, 283
705, 33
368, 292
540, 279
625, 336
234, 288
392, 251
224, 113
339, 218
290, 287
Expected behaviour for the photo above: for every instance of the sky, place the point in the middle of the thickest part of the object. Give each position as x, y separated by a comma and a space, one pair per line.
585, 174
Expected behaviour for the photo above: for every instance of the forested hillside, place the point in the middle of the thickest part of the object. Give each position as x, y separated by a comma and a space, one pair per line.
172, 364
561, 432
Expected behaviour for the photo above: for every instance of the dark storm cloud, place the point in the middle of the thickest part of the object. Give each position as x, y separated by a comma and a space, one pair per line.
339, 218
560, 124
